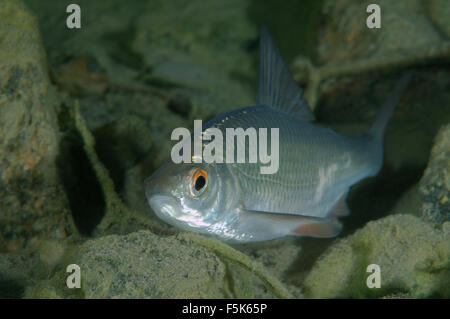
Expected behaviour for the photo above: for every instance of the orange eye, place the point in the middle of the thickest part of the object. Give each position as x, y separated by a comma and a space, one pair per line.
199, 182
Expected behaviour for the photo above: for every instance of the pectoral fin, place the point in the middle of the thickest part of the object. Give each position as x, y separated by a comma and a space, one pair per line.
284, 224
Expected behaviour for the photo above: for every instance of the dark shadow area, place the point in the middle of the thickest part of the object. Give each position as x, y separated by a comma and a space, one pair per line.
11, 289
292, 23
312, 248
119, 147
373, 198
109, 151
80, 183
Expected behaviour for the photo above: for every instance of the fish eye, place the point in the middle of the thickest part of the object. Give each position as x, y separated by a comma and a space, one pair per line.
199, 182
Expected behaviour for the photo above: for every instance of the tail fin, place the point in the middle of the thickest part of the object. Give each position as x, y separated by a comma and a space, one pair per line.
379, 125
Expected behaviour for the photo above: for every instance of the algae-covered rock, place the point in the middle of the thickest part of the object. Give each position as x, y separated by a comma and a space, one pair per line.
413, 257
26, 273
15, 273
345, 34
430, 197
43, 290
19, 270
33, 204
276, 255
142, 265
435, 183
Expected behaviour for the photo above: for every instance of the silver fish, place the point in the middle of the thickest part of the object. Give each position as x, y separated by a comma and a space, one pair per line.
317, 166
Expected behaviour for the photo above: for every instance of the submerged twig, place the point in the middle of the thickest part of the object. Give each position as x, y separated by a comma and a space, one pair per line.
273, 284
395, 59
113, 203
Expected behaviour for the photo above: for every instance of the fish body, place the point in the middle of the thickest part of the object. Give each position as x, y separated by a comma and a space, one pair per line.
317, 166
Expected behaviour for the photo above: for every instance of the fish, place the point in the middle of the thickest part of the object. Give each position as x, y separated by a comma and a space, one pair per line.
236, 203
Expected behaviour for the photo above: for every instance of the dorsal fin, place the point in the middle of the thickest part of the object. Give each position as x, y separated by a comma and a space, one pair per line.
277, 88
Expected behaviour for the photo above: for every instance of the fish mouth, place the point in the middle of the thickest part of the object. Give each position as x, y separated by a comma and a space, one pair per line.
169, 210
164, 206
162, 203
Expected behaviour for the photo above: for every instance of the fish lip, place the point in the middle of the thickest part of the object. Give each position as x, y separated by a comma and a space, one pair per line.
163, 205
153, 189
169, 210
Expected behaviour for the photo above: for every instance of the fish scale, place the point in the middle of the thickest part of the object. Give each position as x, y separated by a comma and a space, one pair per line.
303, 150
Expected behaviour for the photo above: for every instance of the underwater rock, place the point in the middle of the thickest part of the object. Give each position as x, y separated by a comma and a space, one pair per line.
414, 258
145, 265
51, 252
32, 201
245, 284
276, 255
350, 54
358, 66
344, 37
42, 290
22, 269
142, 265
14, 274
435, 183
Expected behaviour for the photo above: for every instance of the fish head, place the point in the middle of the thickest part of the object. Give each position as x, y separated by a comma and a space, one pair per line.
192, 196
